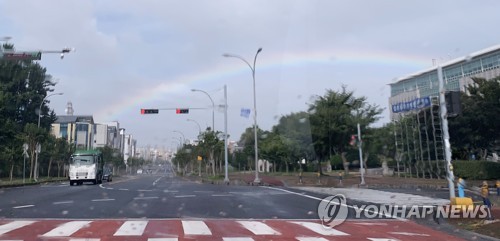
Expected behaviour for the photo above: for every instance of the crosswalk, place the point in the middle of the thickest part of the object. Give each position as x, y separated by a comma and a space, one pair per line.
213, 229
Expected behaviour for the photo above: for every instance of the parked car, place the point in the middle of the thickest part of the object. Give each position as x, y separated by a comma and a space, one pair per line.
108, 175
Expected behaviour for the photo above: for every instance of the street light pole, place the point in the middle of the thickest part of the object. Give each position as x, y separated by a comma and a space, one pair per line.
257, 180
183, 137
213, 106
199, 127
226, 177
40, 108
37, 148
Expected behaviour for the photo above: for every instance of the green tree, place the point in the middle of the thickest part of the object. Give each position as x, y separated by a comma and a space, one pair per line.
334, 117
476, 130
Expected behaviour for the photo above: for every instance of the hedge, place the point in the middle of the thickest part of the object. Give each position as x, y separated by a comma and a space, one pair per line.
476, 170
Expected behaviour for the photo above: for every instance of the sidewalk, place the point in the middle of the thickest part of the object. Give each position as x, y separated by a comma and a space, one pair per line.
378, 197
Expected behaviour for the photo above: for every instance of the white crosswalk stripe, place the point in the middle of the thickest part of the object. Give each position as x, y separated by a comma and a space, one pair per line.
131, 228
311, 239
13, 225
67, 229
318, 228
85, 239
195, 228
163, 239
258, 228
237, 239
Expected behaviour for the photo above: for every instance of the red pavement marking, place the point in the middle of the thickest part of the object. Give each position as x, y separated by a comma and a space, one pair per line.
99, 229
105, 229
164, 229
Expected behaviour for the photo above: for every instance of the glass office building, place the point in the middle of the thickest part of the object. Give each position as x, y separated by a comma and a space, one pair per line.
457, 74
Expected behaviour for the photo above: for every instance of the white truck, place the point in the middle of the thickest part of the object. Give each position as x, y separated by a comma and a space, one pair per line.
86, 166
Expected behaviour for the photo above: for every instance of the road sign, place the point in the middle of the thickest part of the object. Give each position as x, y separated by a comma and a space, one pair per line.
25, 150
22, 55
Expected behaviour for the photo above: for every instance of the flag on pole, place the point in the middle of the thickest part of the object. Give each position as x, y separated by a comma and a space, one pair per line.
245, 112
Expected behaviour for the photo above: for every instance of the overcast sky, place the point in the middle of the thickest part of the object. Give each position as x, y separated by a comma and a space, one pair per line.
150, 54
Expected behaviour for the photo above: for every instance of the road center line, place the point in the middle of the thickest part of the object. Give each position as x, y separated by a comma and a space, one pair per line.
349, 206
25, 206
62, 202
103, 200
185, 196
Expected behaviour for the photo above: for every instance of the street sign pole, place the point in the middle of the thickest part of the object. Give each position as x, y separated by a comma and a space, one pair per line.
25, 154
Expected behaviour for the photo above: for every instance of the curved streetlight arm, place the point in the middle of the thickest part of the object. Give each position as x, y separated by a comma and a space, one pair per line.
213, 106
257, 180
43, 101
183, 137
199, 127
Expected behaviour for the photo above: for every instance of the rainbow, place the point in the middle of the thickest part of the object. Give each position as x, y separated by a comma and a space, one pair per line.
114, 111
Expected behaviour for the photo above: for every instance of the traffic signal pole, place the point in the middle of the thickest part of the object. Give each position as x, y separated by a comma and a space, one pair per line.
446, 134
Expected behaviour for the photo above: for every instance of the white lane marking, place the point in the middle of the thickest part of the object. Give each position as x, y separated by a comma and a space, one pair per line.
258, 228
163, 239
123, 189
25, 206
382, 239
144, 198
143, 190
204, 191
349, 206
101, 186
311, 239
238, 239
156, 181
169, 191
103, 200
13, 225
62, 202
195, 228
185, 196
131, 228
318, 228
410, 234
67, 229
222, 195
84, 239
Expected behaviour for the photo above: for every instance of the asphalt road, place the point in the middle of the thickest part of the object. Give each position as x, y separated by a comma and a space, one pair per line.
156, 196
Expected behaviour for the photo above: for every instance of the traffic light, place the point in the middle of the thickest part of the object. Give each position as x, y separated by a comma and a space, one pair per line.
149, 111
182, 111
453, 104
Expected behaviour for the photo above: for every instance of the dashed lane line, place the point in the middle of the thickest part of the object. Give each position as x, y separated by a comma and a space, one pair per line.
63, 202
25, 206
144, 198
103, 200
181, 196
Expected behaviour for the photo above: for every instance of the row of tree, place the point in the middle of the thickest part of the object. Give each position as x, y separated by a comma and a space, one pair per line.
324, 133
24, 85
